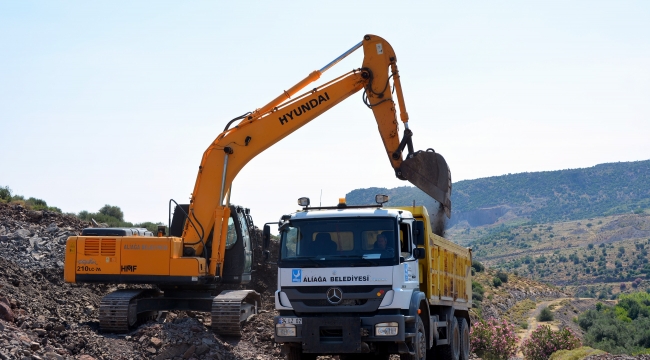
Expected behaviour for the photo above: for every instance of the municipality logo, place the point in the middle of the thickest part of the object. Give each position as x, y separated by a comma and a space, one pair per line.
296, 275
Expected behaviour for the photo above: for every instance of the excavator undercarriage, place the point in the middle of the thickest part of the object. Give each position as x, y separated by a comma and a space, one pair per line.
123, 309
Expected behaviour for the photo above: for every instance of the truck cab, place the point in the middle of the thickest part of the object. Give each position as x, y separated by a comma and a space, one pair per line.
350, 281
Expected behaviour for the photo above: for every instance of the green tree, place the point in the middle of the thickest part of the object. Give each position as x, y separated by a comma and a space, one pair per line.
113, 211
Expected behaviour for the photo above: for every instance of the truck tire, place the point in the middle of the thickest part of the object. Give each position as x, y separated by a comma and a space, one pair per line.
451, 351
419, 343
463, 329
295, 353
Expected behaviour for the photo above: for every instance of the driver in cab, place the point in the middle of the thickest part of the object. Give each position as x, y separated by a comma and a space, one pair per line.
382, 245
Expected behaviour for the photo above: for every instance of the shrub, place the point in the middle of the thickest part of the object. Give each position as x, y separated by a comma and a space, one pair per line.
493, 339
575, 354
543, 342
622, 329
502, 276
36, 204
477, 266
477, 288
496, 282
151, 226
5, 193
545, 315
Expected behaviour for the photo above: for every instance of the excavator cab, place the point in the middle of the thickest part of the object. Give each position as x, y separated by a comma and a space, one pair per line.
238, 258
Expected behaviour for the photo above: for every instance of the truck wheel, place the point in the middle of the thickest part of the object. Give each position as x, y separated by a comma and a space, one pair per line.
419, 343
451, 351
463, 329
295, 353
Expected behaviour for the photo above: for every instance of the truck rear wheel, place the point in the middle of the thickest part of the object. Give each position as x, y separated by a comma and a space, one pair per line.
419, 344
464, 339
451, 351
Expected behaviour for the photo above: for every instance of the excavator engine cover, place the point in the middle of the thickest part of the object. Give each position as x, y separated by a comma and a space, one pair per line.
428, 171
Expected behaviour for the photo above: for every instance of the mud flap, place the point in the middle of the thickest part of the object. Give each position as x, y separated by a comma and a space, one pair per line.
428, 171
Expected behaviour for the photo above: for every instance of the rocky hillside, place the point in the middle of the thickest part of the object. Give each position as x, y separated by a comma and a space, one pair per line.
41, 317
548, 196
610, 249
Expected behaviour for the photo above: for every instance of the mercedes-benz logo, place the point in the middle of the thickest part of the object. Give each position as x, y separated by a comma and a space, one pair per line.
334, 295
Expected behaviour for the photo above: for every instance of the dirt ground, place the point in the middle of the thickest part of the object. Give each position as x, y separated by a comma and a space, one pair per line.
42, 317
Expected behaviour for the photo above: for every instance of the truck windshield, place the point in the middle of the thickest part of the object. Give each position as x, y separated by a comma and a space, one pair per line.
340, 242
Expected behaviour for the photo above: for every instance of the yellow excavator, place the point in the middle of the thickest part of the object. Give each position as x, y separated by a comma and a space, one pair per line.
209, 242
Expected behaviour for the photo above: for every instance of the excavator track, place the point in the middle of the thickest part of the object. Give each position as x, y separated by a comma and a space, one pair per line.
118, 310
231, 308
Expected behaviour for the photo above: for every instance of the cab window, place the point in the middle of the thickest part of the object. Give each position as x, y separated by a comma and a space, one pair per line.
231, 238
405, 240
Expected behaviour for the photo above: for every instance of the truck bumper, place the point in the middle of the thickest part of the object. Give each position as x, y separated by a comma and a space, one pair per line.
340, 334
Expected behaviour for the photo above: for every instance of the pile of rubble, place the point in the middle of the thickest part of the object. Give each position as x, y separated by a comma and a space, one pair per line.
35, 239
42, 317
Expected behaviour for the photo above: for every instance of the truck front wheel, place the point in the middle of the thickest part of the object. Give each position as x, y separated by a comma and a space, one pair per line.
419, 344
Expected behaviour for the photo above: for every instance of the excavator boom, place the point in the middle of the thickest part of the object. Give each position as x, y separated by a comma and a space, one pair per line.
262, 128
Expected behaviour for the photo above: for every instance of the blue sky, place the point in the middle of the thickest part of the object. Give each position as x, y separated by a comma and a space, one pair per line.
115, 102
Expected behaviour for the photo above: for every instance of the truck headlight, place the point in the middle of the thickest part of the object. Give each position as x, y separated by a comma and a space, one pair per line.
285, 330
386, 329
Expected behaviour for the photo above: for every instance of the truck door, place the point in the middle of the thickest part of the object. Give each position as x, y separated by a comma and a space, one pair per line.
409, 263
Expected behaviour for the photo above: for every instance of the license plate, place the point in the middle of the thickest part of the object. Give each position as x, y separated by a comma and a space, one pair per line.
290, 320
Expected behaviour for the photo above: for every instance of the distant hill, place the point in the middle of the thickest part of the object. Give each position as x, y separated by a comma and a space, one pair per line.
548, 196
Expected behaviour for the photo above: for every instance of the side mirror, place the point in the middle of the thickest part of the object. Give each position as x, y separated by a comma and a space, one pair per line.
266, 237
418, 232
419, 253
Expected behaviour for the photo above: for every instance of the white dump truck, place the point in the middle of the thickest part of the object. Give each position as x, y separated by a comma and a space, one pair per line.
370, 281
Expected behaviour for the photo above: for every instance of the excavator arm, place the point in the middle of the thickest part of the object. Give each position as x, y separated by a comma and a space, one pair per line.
209, 205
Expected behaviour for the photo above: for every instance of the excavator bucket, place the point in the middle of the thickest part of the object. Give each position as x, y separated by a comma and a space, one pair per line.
428, 171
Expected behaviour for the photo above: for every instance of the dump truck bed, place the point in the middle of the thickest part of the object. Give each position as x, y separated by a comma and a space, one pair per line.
445, 273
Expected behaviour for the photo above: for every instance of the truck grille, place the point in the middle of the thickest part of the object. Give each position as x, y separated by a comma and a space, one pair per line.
344, 302
313, 299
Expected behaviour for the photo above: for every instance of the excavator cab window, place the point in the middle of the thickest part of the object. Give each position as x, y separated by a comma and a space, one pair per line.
244, 231
232, 233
